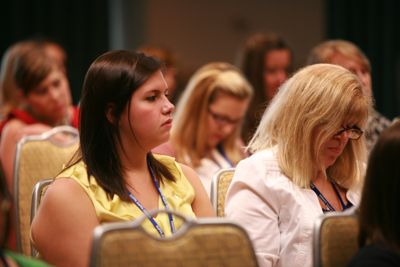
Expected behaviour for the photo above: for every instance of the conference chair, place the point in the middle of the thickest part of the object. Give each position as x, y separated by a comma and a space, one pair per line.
219, 186
38, 157
335, 239
212, 242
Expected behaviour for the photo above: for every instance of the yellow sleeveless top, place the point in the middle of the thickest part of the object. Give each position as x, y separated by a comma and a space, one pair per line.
179, 195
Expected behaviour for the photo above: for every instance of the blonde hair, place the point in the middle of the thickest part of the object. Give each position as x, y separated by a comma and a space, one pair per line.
189, 131
307, 111
324, 52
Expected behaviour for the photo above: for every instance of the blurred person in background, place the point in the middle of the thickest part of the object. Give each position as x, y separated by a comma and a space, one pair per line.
208, 121
9, 95
44, 101
35, 96
349, 56
266, 61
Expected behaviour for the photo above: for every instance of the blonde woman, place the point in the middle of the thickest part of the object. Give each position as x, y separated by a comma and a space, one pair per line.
308, 159
349, 56
208, 119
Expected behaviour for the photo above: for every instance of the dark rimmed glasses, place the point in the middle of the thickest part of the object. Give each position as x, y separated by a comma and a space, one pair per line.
354, 132
222, 119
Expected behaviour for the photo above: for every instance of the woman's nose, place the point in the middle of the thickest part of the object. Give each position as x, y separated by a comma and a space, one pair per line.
168, 107
343, 137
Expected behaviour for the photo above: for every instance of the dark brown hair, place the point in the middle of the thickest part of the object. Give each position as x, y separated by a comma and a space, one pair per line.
379, 209
111, 80
251, 62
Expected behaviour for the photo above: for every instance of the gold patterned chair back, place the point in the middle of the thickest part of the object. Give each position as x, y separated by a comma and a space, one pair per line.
38, 157
219, 186
212, 242
335, 239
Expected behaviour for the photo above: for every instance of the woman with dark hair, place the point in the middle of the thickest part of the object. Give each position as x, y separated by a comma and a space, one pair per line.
266, 62
125, 113
379, 214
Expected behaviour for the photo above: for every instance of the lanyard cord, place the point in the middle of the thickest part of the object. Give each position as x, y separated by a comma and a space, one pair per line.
164, 201
221, 150
324, 200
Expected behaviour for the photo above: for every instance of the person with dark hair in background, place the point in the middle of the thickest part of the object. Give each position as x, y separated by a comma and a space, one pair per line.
349, 56
266, 61
114, 176
379, 214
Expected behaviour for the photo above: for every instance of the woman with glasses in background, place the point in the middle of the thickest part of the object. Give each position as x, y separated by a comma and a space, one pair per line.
309, 158
208, 121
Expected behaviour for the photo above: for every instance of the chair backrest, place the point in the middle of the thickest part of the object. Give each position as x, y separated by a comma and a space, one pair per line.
219, 186
38, 191
38, 157
203, 242
335, 239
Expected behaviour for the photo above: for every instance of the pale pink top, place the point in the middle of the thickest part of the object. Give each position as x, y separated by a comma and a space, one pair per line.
278, 215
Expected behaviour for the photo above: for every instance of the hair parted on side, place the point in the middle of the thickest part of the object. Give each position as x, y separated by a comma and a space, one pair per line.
379, 215
32, 66
111, 80
189, 131
320, 96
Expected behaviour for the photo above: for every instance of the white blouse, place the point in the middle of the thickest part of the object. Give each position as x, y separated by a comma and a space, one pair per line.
277, 214
209, 166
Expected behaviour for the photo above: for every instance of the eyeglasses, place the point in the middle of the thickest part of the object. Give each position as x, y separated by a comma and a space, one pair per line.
354, 132
222, 119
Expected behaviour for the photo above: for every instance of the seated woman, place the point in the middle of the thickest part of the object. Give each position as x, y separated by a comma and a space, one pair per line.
208, 120
43, 98
308, 159
379, 211
125, 112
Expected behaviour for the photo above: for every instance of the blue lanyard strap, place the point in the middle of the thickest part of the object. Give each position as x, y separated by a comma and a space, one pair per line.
164, 201
221, 150
321, 196
151, 219
339, 196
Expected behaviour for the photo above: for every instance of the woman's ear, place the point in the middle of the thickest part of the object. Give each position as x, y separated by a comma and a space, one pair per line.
110, 111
